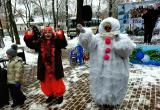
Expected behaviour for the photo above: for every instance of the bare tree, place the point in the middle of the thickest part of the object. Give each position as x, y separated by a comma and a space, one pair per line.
1, 35
1, 27
66, 2
15, 4
72, 7
41, 10
21, 14
27, 4
29, 12
54, 17
40, 6
98, 10
110, 7
57, 10
26, 13
1, 31
12, 22
61, 13
8, 25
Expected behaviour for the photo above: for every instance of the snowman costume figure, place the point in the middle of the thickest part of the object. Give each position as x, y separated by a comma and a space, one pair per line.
109, 66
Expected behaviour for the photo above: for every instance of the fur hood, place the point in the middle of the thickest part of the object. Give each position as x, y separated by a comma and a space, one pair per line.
115, 25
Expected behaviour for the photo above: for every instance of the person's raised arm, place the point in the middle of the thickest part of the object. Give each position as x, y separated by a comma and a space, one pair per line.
30, 40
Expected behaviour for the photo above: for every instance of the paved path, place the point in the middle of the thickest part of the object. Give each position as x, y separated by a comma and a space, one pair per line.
143, 92
143, 89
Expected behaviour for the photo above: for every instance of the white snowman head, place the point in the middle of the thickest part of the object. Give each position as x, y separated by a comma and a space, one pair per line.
110, 25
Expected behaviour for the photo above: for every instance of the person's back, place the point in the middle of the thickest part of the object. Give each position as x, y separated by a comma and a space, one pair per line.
153, 16
146, 16
150, 17
4, 94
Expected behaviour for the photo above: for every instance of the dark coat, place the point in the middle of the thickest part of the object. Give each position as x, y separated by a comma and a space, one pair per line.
150, 18
4, 93
58, 44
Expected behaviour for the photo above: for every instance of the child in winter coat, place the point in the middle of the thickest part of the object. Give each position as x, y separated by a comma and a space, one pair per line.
15, 72
109, 68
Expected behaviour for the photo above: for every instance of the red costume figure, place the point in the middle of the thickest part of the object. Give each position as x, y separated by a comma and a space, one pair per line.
50, 69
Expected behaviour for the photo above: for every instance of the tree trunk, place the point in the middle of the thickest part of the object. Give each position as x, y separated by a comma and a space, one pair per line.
110, 8
15, 4
98, 10
1, 28
57, 11
67, 14
1, 35
9, 29
12, 22
54, 17
79, 12
29, 13
26, 15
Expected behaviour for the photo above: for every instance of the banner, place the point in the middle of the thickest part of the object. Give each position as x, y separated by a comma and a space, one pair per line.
130, 17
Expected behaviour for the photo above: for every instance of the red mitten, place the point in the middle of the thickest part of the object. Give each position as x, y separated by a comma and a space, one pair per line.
60, 34
28, 34
54, 33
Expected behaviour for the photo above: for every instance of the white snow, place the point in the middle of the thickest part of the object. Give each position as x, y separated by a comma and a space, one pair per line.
35, 106
73, 43
148, 74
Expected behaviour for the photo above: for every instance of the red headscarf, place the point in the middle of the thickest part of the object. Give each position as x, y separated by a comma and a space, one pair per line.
47, 29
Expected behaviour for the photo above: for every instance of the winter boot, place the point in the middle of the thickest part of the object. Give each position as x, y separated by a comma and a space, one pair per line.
14, 105
2, 105
60, 100
49, 99
22, 102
